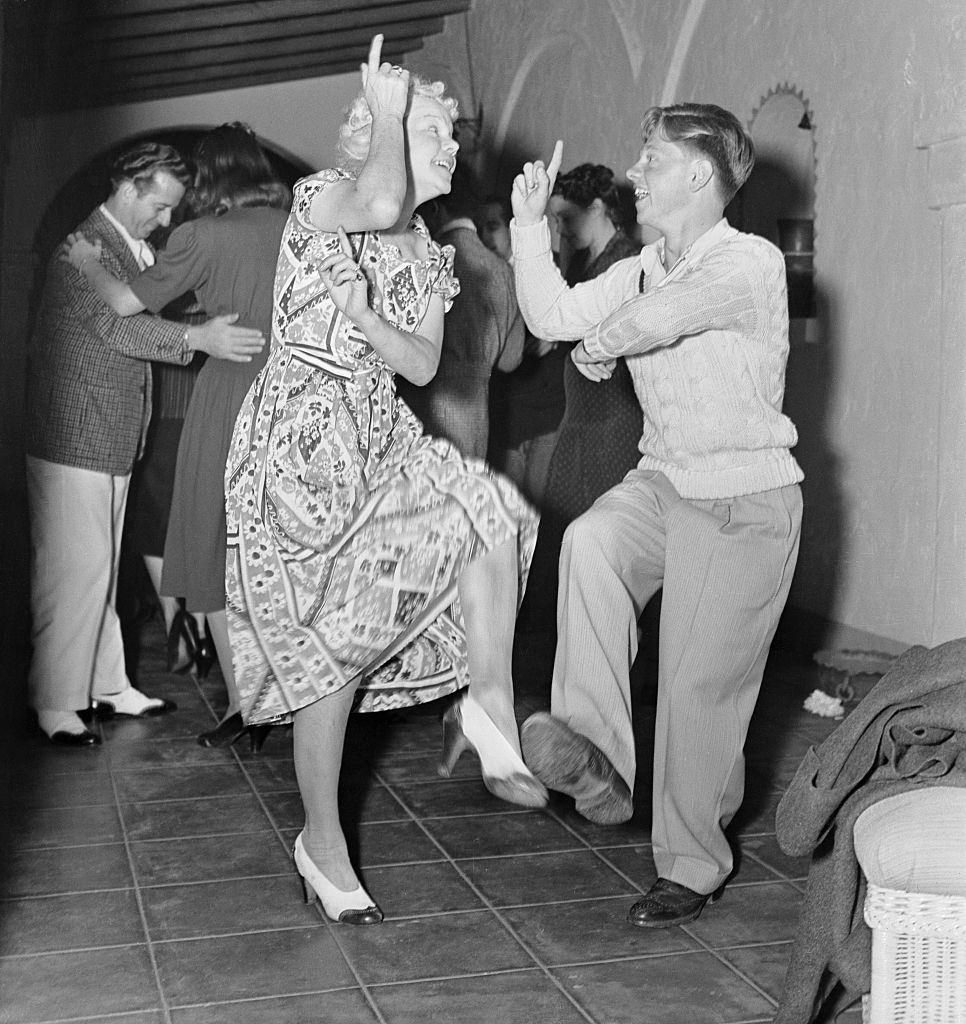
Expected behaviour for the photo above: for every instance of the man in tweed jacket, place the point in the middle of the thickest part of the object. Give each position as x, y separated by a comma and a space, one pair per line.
88, 406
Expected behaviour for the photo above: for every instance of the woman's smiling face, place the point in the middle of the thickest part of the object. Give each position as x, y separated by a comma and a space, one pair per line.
432, 148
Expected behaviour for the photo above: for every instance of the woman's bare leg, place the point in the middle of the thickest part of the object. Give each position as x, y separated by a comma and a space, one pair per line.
218, 626
488, 590
169, 605
319, 735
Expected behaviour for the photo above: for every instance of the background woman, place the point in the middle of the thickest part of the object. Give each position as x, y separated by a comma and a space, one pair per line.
369, 563
227, 256
598, 436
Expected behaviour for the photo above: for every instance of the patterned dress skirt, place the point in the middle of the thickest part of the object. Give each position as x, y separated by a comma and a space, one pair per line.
348, 529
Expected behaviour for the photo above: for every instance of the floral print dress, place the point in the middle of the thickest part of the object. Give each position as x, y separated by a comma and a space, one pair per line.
348, 527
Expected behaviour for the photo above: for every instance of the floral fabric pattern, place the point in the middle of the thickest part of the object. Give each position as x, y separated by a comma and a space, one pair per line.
348, 527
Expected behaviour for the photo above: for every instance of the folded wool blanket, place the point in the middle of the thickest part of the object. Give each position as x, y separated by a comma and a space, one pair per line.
910, 731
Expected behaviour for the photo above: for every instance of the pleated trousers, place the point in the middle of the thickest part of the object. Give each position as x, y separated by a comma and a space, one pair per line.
76, 518
725, 566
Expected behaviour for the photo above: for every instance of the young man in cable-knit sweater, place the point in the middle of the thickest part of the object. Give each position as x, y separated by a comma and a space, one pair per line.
712, 513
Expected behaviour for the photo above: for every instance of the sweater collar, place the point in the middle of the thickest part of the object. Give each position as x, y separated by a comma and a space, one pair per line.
652, 256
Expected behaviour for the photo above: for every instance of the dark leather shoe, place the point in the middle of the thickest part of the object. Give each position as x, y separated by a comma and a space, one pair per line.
75, 739
666, 903
568, 762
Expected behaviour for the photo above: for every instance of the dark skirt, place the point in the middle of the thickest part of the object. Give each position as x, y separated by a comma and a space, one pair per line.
194, 550
152, 483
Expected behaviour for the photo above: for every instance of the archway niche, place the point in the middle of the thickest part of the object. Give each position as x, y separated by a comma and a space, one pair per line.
778, 200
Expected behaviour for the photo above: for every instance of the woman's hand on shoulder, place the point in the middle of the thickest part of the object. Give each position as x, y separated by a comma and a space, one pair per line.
76, 250
386, 85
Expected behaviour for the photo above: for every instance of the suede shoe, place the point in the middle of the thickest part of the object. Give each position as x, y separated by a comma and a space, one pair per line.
667, 903
568, 762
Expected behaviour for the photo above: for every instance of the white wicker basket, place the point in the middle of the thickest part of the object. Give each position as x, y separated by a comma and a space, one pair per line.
918, 957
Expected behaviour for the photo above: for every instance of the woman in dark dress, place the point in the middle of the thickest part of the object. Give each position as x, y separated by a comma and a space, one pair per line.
602, 422
227, 256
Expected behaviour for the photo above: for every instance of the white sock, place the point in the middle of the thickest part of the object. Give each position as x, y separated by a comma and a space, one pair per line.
60, 721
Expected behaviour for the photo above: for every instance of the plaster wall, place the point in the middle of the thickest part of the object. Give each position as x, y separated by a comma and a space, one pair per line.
878, 396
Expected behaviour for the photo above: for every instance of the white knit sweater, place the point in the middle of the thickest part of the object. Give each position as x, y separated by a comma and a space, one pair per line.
706, 344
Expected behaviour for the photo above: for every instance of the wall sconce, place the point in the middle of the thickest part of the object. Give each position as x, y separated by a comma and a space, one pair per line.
796, 239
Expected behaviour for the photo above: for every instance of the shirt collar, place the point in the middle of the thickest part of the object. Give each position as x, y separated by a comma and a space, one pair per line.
140, 249
652, 256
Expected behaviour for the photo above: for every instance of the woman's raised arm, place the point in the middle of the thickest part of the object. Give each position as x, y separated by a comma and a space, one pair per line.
374, 200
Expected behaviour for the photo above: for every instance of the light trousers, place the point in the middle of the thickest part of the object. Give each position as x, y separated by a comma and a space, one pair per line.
726, 566
76, 518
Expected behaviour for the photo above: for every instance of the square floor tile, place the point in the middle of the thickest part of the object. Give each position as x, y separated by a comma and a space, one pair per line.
411, 889
767, 912
591, 930
176, 751
221, 908
275, 775
209, 858
348, 1006
687, 988
181, 783
636, 831
494, 835
765, 965
215, 970
60, 789
520, 997
432, 947
52, 986
205, 816
64, 826
422, 767
447, 797
544, 878
41, 924
392, 842
635, 862
767, 850
27, 872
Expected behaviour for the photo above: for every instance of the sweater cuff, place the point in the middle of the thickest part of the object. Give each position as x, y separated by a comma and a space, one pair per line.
529, 241
593, 346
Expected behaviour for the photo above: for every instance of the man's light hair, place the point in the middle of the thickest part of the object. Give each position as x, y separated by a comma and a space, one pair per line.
714, 132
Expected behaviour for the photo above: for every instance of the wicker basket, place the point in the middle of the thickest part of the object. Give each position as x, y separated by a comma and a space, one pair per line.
918, 957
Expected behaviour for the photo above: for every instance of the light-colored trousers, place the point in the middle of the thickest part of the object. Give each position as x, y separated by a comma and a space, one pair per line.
725, 566
76, 518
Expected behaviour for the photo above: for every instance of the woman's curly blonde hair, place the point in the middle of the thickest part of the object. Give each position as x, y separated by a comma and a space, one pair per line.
355, 133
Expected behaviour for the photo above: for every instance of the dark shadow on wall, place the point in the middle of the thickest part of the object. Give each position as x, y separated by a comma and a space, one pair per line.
774, 192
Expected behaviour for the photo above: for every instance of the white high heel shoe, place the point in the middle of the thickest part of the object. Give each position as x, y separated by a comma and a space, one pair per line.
355, 907
467, 725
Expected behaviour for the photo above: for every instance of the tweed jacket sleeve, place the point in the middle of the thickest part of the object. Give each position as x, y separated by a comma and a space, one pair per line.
88, 370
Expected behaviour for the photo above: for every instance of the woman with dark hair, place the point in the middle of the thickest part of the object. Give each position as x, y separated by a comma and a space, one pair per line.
226, 255
602, 423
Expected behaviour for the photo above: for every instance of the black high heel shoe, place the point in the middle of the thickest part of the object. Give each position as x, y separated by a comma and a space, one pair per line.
231, 729
204, 647
179, 634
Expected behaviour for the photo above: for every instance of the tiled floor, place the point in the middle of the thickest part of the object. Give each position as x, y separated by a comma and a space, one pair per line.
149, 880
